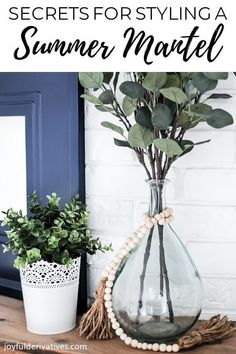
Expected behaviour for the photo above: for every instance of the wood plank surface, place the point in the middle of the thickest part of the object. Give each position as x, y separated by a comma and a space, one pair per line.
13, 331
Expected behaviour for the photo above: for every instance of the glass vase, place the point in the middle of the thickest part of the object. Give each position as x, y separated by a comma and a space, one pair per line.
157, 292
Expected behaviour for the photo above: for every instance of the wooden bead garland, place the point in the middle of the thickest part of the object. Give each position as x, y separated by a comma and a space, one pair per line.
165, 217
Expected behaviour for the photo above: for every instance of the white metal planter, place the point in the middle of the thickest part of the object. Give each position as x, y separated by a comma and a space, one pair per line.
50, 293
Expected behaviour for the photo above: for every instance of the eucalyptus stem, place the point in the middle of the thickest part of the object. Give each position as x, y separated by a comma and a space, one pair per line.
163, 267
140, 156
142, 276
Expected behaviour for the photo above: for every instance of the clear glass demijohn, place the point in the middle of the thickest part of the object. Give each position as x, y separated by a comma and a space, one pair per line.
157, 293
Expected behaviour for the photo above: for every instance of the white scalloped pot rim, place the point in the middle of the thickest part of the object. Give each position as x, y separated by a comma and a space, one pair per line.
49, 273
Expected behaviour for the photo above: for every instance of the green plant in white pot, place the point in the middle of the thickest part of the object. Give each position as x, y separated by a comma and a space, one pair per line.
48, 245
156, 293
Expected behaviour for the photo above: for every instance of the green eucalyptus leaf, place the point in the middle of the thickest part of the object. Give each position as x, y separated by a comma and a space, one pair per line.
203, 83
91, 80
185, 75
173, 80
162, 117
216, 76
188, 119
154, 81
171, 105
186, 146
201, 108
168, 146
103, 108
113, 127
91, 98
218, 118
174, 94
106, 97
132, 89
123, 143
107, 77
219, 95
143, 117
129, 105
140, 136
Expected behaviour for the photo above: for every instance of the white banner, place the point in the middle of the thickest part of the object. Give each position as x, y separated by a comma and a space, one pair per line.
118, 35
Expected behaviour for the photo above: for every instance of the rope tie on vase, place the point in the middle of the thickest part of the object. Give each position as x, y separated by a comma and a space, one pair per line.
100, 321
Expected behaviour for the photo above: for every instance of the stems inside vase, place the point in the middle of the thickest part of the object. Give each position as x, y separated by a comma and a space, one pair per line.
156, 207
163, 267
142, 276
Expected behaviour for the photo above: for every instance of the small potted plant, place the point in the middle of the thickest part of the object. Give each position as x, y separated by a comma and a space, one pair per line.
48, 245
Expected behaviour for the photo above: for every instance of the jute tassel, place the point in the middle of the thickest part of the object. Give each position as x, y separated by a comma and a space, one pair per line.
214, 330
95, 323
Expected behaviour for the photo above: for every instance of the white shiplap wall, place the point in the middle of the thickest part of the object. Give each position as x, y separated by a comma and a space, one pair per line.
203, 194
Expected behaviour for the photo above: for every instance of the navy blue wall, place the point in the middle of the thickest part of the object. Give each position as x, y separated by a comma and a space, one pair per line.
55, 144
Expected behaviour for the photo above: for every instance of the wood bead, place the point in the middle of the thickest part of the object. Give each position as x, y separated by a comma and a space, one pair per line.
115, 325
128, 340
107, 290
132, 235
166, 213
134, 343
116, 260
157, 217
140, 235
112, 264
111, 315
154, 220
124, 252
108, 304
111, 277
144, 346
136, 239
149, 346
109, 284
149, 224
161, 222
144, 229
155, 347
162, 347
128, 249
175, 348
170, 211
113, 271
119, 331
107, 297
169, 348
123, 335
131, 244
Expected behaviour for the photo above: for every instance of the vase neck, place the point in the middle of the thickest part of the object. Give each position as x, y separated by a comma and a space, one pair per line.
157, 199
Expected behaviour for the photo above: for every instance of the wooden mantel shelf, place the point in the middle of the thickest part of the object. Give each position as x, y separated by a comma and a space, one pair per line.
13, 331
